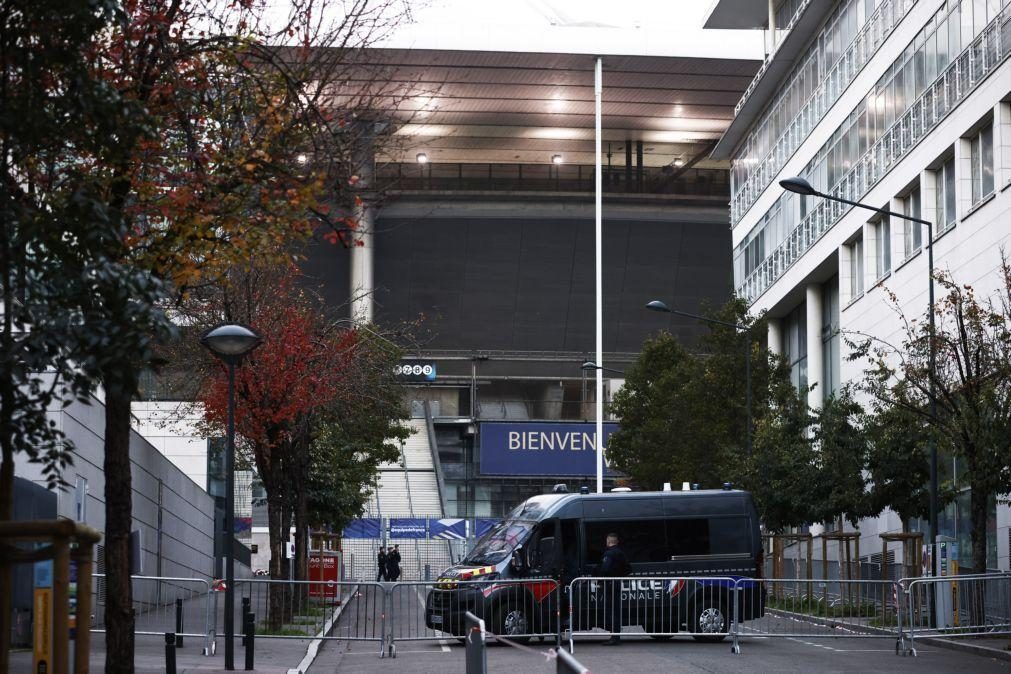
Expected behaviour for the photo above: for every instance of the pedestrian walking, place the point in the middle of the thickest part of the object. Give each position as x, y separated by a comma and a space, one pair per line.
381, 573
614, 563
393, 563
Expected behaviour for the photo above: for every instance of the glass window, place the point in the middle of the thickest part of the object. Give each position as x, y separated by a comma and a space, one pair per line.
982, 163
913, 233
856, 268
795, 346
883, 245
945, 188
688, 537
642, 541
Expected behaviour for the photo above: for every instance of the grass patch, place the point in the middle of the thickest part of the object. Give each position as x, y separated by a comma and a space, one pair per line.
816, 607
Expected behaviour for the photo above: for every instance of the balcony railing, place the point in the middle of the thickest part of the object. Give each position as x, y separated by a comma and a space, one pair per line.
693, 182
961, 77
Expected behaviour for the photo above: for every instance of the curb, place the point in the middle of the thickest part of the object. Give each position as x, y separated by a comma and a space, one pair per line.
313, 649
975, 649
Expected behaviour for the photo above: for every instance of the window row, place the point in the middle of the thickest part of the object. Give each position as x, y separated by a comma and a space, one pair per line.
893, 236
794, 224
950, 31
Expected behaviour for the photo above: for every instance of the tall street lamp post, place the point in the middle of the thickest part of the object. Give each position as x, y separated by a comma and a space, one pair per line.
804, 188
230, 343
657, 305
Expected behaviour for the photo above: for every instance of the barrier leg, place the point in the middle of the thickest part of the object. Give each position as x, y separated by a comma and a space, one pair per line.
170, 653
735, 625
179, 623
249, 630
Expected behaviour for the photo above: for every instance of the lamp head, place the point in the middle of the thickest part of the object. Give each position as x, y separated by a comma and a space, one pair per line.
799, 186
589, 365
657, 305
231, 340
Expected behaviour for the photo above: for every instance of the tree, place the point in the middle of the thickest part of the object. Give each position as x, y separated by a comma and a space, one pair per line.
683, 416
217, 177
972, 379
315, 399
897, 467
840, 445
58, 121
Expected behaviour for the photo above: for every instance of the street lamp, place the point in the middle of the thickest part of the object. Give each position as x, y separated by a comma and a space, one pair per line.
230, 343
657, 305
803, 187
590, 365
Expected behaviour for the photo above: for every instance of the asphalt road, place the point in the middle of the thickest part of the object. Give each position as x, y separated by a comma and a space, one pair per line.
636, 653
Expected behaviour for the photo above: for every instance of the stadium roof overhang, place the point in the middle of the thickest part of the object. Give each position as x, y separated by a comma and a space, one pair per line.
461, 106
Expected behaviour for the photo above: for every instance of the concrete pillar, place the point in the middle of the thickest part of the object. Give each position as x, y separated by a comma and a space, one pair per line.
815, 354
963, 178
775, 335
363, 238
899, 227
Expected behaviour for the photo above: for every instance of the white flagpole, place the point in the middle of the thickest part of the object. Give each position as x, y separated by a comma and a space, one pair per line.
597, 90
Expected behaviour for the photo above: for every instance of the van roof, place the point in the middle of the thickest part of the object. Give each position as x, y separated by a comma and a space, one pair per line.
547, 505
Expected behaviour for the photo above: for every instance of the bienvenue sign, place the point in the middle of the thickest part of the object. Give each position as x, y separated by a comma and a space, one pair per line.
535, 448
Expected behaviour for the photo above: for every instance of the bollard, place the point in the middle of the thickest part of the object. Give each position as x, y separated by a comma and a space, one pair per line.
476, 658
566, 663
170, 653
179, 623
249, 629
245, 612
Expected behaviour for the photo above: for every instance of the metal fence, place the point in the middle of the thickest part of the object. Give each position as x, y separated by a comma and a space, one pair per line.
162, 604
957, 606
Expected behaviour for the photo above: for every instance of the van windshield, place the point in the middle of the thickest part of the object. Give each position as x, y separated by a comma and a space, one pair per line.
499, 543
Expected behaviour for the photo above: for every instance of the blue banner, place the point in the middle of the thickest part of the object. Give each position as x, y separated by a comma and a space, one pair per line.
550, 449
363, 528
408, 527
448, 529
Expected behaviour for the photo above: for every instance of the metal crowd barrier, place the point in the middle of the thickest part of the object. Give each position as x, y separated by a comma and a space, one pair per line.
164, 604
518, 609
801, 607
956, 606
311, 609
659, 607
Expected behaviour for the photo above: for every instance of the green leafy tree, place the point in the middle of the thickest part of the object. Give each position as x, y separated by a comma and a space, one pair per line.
972, 380
898, 470
841, 448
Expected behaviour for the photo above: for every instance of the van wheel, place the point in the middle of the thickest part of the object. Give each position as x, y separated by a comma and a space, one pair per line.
710, 617
510, 621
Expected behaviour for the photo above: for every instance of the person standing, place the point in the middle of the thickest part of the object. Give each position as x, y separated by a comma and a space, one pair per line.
614, 564
393, 563
381, 573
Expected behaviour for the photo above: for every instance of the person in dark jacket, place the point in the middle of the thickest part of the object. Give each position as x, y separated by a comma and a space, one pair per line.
614, 563
381, 565
393, 564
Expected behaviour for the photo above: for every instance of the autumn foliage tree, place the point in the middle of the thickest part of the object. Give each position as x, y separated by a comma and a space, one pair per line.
316, 408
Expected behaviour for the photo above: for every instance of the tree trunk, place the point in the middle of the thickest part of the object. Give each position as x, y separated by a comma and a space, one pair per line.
278, 534
976, 590
119, 619
6, 571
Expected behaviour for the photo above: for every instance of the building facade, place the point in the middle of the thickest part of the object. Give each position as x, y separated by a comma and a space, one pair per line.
899, 104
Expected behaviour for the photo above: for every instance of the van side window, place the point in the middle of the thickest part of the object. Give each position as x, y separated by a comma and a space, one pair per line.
642, 540
688, 537
730, 535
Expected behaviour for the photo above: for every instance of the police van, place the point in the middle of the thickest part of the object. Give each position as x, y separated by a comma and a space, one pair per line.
551, 539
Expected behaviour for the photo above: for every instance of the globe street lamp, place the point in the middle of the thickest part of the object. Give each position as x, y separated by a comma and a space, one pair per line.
657, 305
590, 365
230, 343
804, 188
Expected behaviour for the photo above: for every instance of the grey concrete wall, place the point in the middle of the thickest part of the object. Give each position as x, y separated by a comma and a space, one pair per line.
173, 513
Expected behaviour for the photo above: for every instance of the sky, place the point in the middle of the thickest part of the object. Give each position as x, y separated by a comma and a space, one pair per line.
645, 27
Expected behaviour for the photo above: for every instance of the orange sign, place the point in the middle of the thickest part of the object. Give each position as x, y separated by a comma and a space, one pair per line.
42, 630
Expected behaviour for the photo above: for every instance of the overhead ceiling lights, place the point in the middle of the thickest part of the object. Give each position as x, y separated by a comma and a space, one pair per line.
556, 159
301, 158
422, 158
678, 162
